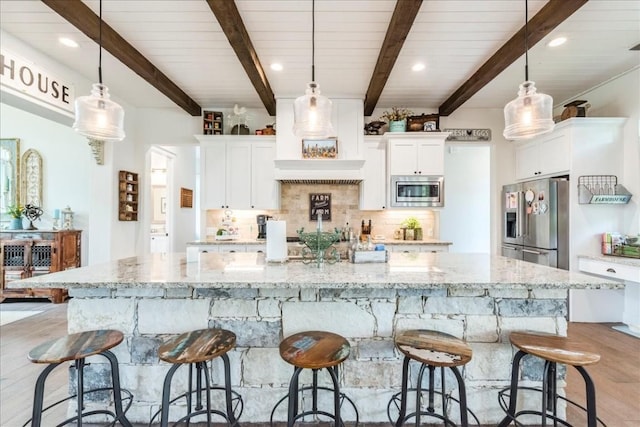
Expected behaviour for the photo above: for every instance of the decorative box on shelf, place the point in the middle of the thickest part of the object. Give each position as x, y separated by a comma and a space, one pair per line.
601, 189
362, 257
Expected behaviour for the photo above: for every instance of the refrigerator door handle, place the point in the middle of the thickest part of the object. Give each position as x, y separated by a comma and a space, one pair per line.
520, 226
529, 251
511, 248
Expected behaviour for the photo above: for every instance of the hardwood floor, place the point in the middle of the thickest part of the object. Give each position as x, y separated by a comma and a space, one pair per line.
617, 375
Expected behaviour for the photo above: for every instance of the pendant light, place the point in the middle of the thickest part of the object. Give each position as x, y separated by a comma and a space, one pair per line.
312, 111
97, 116
531, 113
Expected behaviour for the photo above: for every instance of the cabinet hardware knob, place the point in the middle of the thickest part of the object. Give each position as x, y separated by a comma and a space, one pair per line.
611, 270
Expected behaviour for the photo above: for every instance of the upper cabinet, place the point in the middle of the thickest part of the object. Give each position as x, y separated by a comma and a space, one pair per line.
374, 179
544, 156
238, 172
411, 154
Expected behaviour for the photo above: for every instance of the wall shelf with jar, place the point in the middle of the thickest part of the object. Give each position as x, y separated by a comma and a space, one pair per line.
601, 189
212, 122
128, 199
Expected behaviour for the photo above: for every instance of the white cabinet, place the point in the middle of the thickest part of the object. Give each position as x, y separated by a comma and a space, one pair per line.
374, 182
238, 172
159, 244
416, 154
544, 156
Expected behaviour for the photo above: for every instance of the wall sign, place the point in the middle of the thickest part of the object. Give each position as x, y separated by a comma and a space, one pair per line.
37, 83
468, 134
319, 204
186, 198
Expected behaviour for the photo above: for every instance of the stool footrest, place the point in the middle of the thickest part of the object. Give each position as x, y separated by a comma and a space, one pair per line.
395, 399
503, 399
341, 395
237, 403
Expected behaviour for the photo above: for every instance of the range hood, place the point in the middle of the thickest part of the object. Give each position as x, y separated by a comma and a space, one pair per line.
319, 171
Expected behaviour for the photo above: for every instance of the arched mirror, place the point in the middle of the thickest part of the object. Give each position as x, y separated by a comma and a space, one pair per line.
31, 177
9, 175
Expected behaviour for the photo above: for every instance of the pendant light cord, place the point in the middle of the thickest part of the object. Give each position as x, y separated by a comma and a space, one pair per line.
313, 40
100, 47
526, 40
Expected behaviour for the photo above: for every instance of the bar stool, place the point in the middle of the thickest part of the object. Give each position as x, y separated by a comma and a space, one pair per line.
553, 349
431, 349
77, 347
195, 349
314, 350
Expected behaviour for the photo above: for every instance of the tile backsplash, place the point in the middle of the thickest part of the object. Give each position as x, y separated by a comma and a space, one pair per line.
294, 209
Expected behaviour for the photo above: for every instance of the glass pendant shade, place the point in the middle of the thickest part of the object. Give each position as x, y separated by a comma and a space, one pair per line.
98, 117
529, 115
312, 114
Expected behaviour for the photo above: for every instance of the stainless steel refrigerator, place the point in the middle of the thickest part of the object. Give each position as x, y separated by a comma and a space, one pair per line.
535, 222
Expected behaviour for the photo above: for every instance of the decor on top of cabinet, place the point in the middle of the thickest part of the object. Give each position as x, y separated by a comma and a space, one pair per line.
212, 122
423, 123
31, 178
601, 189
67, 218
411, 229
575, 109
397, 118
15, 211
32, 212
374, 128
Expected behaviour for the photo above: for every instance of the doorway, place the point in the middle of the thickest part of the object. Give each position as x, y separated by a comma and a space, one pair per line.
160, 221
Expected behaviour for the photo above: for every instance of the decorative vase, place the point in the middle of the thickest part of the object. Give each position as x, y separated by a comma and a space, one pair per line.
397, 125
408, 234
15, 224
417, 234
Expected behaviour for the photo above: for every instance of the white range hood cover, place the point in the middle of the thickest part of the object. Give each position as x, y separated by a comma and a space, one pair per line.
320, 171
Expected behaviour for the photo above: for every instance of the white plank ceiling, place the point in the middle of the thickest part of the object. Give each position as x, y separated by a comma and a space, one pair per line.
453, 38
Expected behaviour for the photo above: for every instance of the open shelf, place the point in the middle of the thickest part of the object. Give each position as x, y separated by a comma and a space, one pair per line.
128, 196
601, 190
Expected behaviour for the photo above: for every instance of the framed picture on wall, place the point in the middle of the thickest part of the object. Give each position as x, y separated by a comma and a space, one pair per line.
320, 148
319, 204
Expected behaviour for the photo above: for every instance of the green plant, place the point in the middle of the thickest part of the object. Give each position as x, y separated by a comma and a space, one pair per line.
411, 223
396, 114
15, 211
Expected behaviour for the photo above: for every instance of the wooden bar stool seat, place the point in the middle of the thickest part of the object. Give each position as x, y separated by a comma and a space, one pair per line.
553, 349
431, 349
196, 349
77, 347
314, 350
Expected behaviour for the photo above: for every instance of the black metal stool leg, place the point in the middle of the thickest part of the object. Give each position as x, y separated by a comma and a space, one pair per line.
227, 390
336, 396
38, 396
203, 367
513, 390
462, 391
403, 392
79, 364
117, 393
166, 391
590, 389
314, 391
293, 397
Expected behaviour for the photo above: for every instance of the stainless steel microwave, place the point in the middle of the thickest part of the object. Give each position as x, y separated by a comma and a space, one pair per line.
417, 191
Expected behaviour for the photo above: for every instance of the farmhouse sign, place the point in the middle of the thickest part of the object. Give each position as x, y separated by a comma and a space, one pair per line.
468, 134
34, 82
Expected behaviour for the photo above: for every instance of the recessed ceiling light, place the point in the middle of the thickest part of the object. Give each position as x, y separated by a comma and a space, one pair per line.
418, 67
557, 41
68, 42
276, 67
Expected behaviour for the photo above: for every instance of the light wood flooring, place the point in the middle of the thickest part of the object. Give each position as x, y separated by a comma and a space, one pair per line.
617, 376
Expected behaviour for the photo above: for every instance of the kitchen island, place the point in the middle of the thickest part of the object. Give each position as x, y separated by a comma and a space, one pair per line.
477, 297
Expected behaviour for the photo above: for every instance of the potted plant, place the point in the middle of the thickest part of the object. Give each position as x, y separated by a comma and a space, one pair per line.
412, 229
15, 211
397, 118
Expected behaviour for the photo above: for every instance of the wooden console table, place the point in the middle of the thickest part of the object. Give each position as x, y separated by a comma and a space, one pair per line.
27, 253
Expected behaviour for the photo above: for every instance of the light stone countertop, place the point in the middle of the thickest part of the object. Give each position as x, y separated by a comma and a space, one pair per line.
634, 262
249, 270
264, 242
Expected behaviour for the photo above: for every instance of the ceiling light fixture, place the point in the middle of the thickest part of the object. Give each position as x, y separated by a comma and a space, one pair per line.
276, 66
418, 67
531, 113
68, 42
98, 117
557, 42
312, 111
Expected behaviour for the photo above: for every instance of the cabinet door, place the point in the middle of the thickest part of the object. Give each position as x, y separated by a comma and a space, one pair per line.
231, 248
238, 185
402, 158
373, 186
404, 248
68, 256
265, 190
430, 157
214, 176
554, 154
527, 161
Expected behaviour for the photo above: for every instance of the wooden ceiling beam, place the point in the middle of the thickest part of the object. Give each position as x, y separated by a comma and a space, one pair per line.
82, 17
549, 17
401, 21
229, 19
